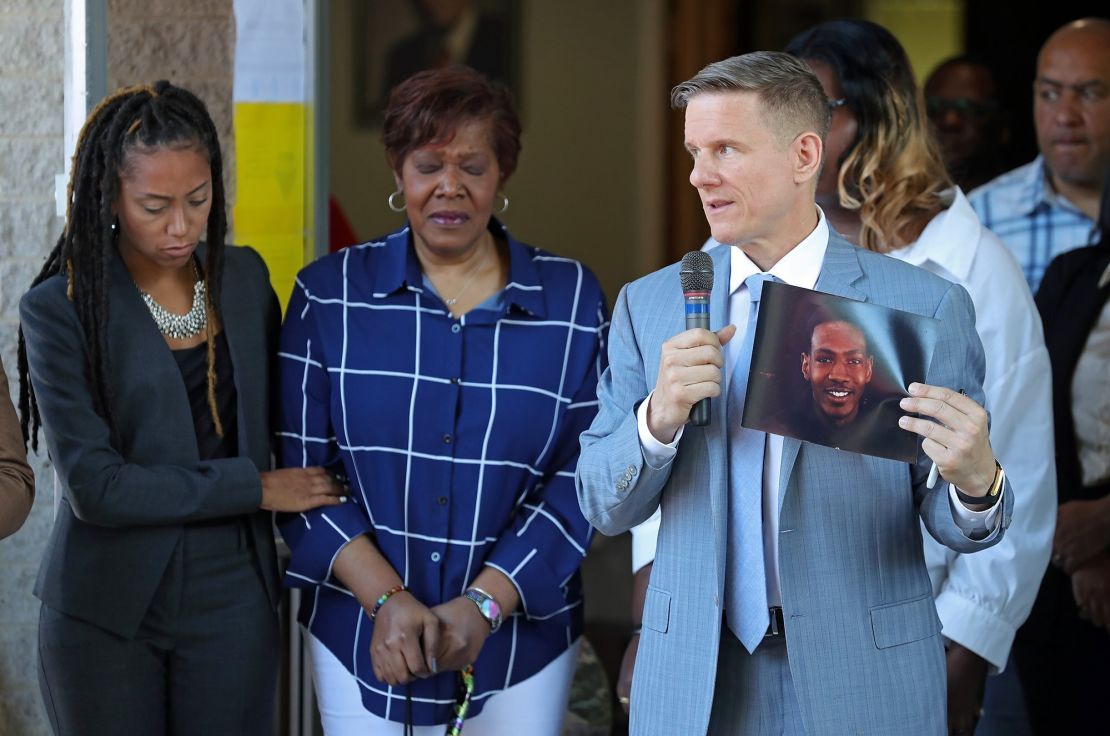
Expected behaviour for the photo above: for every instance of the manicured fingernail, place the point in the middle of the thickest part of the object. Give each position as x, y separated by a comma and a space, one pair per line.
435, 666
905, 403
904, 422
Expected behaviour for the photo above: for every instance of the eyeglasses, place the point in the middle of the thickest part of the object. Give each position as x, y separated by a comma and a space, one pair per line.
836, 102
962, 106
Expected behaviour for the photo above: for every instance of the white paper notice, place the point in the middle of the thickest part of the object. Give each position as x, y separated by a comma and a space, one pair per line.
269, 51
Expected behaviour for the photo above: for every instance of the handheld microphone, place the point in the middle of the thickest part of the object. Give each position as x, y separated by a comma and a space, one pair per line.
696, 276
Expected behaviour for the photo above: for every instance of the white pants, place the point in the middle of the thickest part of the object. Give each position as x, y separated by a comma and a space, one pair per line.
536, 706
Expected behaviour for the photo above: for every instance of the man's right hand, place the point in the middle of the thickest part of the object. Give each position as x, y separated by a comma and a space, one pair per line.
689, 371
300, 489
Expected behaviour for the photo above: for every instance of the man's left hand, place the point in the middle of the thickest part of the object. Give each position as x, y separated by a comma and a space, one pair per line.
1082, 533
967, 676
957, 441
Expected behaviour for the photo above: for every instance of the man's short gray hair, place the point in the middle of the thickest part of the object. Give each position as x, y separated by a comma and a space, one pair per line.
793, 100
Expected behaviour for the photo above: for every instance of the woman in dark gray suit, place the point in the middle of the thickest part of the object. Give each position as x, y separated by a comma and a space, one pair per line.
148, 354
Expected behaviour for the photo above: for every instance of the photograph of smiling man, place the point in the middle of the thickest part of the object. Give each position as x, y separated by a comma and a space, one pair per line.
831, 371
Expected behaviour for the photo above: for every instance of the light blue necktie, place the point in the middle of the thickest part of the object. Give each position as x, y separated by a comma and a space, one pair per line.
745, 574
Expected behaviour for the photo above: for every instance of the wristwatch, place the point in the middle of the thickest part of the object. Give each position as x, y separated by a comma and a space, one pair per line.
487, 606
993, 493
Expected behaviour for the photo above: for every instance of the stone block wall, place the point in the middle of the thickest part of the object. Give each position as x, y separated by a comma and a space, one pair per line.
191, 44
31, 151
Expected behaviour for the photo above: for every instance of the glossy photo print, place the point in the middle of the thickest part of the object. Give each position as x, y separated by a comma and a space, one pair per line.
831, 370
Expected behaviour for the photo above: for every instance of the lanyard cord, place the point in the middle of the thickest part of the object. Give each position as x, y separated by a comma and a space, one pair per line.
462, 705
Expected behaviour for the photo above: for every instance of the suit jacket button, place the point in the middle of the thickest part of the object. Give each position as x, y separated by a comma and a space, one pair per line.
631, 470
621, 485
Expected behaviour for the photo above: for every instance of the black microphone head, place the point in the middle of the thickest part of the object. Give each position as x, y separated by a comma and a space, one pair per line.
696, 273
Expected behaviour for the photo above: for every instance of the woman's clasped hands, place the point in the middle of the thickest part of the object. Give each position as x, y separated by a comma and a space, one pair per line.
411, 640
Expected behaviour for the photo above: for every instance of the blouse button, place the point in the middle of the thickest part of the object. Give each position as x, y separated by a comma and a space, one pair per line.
446, 439
442, 500
455, 327
435, 557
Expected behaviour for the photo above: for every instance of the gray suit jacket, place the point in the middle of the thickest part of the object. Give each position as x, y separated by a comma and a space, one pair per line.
863, 635
127, 498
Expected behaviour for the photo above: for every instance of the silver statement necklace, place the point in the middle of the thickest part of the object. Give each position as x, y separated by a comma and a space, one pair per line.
180, 326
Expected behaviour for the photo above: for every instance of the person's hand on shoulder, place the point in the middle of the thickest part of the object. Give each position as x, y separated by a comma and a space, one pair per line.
300, 489
689, 370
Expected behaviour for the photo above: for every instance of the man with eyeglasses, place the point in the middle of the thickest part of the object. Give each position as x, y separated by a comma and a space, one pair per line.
1050, 205
961, 99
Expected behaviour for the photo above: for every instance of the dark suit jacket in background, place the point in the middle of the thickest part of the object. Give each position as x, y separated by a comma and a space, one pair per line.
126, 499
1064, 661
1070, 300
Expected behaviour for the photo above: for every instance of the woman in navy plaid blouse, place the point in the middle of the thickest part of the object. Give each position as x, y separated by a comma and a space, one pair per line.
446, 371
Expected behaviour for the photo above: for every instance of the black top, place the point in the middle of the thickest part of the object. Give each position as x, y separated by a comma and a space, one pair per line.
193, 363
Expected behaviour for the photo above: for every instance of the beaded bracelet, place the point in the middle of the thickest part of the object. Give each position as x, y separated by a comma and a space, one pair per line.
385, 597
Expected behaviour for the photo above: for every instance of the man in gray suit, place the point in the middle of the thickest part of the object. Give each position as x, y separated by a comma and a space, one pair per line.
789, 594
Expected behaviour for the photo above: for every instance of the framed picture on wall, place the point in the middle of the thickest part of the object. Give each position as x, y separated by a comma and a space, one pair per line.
394, 39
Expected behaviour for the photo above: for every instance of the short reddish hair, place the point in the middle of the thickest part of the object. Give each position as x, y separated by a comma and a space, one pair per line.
430, 105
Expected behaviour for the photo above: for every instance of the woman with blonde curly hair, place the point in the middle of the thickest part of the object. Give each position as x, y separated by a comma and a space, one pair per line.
885, 188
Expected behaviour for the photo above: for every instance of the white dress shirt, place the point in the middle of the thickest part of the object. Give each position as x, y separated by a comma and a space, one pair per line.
983, 598
800, 267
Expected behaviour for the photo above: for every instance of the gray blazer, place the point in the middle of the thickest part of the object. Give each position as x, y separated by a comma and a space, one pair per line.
863, 637
126, 499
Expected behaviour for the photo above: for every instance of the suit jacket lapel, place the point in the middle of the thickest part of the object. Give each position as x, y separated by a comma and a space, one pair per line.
234, 314
839, 275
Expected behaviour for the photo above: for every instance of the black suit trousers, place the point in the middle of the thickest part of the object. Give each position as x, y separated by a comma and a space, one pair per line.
204, 661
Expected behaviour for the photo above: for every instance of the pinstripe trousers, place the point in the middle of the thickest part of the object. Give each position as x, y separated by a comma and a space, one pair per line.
754, 695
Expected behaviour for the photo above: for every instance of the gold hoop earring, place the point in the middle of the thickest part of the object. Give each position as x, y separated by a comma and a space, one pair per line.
393, 204
504, 203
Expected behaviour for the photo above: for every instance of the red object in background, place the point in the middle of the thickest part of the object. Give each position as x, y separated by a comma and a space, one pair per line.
340, 232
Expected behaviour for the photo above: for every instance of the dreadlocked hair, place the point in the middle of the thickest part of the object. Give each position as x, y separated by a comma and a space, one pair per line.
140, 119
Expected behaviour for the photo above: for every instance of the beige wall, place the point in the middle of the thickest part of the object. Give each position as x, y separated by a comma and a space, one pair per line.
587, 185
